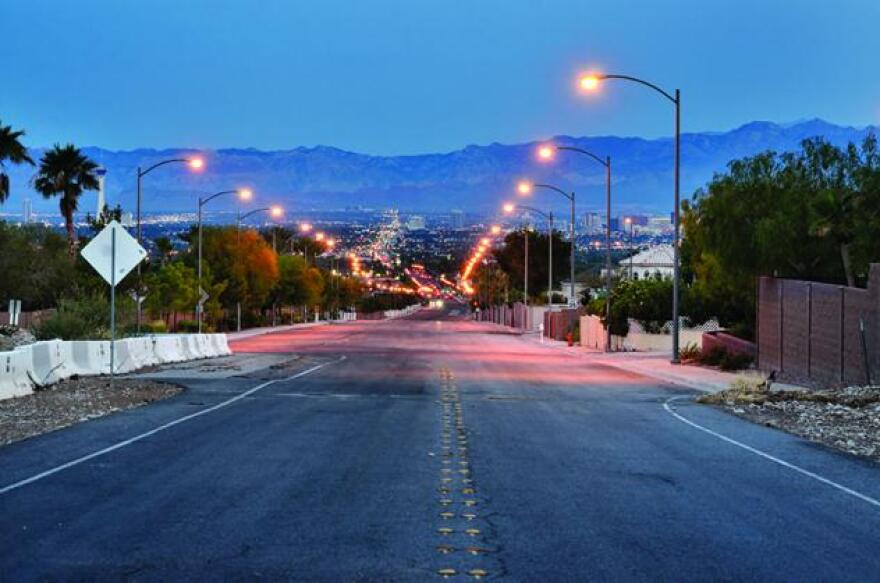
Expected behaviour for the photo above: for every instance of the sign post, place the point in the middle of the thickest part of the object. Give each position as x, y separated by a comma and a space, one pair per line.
114, 254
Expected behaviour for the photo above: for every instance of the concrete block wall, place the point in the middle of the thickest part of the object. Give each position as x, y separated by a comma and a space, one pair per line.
810, 332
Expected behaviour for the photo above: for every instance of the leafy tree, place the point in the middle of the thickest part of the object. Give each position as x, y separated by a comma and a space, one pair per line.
11, 150
492, 285
244, 262
65, 171
299, 284
172, 288
165, 247
811, 214
102, 219
511, 259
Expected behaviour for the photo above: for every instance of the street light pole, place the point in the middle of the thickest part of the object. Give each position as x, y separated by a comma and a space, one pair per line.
526, 278
572, 301
276, 211
546, 152
194, 163
590, 82
244, 194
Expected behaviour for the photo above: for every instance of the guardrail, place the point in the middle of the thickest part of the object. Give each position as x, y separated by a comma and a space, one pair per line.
44, 363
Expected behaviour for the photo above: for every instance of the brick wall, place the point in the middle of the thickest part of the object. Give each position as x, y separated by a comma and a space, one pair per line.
810, 332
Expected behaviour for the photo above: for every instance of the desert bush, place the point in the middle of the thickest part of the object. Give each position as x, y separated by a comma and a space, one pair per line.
690, 352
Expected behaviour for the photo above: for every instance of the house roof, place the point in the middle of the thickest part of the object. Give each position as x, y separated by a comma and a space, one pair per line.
657, 256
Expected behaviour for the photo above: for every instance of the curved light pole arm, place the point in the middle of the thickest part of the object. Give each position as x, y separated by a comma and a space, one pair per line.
253, 212
606, 162
204, 201
555, 188
642, 82
676, 238
162, 163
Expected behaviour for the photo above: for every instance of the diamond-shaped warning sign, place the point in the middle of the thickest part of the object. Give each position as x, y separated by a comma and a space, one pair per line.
99, 252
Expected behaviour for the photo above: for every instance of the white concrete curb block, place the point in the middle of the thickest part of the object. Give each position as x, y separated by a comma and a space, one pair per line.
14, 369
47, 362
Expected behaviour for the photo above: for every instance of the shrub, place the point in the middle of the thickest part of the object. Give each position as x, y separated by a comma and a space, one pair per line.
734, 361
84, 318
713, 356
188, 326
690, 352
155, 327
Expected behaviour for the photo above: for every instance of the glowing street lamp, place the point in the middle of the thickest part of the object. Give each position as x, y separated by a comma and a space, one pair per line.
509, 208
590, 82
606, 162
243, 194
195, 163
496, 229
524, 187
570, 196
305, 227
319, 236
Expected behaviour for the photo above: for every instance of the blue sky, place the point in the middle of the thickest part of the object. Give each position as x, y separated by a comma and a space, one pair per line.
400, 77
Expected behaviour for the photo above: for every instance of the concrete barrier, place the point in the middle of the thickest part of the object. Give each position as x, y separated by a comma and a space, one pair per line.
51, 362
90, 357
167, 349
14, 368
47, 362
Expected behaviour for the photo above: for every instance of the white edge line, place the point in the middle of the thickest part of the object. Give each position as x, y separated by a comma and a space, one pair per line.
136, 438
767, 456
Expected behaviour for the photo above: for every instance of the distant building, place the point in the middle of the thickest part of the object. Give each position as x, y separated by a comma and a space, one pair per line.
593, 223
27, 212
457, 219
656, 261
415, 223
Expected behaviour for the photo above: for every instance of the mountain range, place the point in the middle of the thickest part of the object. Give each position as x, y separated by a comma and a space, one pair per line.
475, 178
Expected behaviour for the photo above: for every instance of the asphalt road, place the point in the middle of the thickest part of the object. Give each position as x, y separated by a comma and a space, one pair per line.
424, 447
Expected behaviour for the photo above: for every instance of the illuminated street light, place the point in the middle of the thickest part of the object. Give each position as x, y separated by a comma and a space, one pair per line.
570, 196
590, 82
305, 227
276, 211
606, 162
524, 187
545, 152
195, 163
485, 241
243, 194
509, 207
319, 236
496, 229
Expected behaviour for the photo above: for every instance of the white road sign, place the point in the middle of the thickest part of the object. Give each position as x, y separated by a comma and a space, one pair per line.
128, 252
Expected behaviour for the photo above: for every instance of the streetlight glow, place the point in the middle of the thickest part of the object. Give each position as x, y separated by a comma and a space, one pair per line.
196, 163
508, 208
305, 227
589, 82
276, 211
319, 236
485, 241
245, 193
524, 187
496, 229
545, 152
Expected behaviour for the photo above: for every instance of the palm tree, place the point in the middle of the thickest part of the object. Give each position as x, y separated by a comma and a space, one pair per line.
13, 150
65, 171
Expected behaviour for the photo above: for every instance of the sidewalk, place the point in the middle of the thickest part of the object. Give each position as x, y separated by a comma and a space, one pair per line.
656, 365
231, 336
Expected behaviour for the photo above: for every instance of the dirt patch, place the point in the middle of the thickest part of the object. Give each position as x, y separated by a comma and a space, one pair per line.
75, 400
847, 419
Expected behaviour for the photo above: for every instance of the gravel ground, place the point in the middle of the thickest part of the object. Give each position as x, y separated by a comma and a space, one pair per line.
73, 401
846, 419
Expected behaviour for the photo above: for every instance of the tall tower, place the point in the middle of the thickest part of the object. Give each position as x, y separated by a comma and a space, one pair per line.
100, 172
